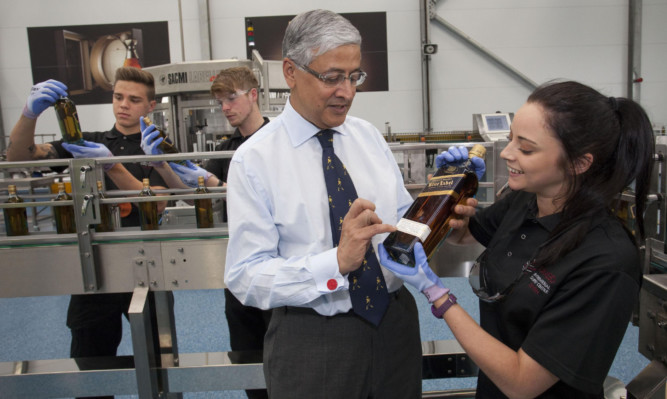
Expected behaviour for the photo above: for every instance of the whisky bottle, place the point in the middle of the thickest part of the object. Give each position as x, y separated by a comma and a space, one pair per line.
64, 215
203, 207
106, 213
16, 219
166, 145
427, 219
148, 210
68, 119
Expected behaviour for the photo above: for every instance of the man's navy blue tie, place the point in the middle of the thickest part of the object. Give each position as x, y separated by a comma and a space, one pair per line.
368, 290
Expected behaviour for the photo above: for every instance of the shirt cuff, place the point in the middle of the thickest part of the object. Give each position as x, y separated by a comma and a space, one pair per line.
325, 271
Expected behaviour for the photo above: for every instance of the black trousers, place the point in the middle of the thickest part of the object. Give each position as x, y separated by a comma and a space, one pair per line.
247, 327
307, 355
96, 324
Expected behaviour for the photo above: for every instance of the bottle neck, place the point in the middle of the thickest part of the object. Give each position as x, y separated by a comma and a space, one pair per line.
62, 194
13, 197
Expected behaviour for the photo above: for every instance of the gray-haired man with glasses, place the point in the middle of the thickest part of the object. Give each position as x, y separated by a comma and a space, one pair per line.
294, 249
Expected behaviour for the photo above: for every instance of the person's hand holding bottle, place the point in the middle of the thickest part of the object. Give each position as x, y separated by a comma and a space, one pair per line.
456, 155
150, 139
42, 96
189, 173
421, 276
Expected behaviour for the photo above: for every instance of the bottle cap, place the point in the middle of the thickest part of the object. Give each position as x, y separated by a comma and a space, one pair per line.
477, 150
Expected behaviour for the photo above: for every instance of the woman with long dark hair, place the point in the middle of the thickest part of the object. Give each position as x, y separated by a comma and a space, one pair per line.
561, 274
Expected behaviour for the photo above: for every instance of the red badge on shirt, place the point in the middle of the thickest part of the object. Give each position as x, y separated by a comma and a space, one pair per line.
332, 284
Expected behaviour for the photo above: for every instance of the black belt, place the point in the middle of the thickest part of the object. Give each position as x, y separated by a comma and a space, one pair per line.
297, 309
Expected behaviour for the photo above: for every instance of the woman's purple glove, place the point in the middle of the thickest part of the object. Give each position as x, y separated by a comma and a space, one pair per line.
457, 155
189, 173
421, 276
90, 150
42, 96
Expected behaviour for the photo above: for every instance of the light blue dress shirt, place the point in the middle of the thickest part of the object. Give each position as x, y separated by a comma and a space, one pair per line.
280, 250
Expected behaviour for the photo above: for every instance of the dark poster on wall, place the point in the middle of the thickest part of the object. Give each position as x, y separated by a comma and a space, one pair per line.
85, 57
265, 34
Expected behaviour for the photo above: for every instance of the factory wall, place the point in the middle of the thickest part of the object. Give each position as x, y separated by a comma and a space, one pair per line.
584, 40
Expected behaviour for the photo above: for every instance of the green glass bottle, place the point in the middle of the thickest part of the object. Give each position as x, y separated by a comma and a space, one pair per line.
203, 207
106, 213
148, 210
16, 219
64, 215
68, 120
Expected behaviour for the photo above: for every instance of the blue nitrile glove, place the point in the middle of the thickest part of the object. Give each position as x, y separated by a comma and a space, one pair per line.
421, 276
42, 96
150, 139
456, 155
189, 174
90, 150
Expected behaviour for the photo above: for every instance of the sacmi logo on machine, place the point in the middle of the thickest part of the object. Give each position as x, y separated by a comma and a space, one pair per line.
177, 77
187, 77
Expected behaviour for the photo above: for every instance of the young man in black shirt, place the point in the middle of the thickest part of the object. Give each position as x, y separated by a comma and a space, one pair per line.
96, 320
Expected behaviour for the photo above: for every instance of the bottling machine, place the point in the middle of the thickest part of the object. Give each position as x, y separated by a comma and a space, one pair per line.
189, 113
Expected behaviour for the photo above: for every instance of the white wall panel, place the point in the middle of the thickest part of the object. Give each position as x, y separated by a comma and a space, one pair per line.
401, 28
399, 108
228, 38
584, 40
404, 69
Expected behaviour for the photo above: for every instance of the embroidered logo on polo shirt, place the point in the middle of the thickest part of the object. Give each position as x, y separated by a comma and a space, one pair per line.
541, 281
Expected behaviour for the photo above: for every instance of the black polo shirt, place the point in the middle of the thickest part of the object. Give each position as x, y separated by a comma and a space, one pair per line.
569, 316
120, 144
220, 166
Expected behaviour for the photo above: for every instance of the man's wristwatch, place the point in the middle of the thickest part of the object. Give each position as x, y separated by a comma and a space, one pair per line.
440, 311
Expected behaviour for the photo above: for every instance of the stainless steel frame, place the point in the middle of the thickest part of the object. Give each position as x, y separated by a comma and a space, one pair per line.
169, 259
130, 260
651, 382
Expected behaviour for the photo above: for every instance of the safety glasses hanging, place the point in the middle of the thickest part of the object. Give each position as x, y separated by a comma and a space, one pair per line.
479, 282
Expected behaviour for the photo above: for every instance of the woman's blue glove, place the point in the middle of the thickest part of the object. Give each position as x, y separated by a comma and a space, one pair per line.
421, 276
190, 173
457, 155
90, 150
149, 139
42, 96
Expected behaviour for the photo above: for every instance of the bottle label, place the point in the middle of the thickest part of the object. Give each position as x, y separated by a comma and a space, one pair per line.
442, 185
416, 229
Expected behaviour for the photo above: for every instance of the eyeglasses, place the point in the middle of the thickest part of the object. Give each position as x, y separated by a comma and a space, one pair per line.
333, 79
230, 99
480, 283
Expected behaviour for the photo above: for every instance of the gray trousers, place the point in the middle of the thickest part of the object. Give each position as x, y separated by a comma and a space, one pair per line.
307, 355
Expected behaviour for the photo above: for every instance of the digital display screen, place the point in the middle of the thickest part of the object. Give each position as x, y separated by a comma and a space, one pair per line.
497, 122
